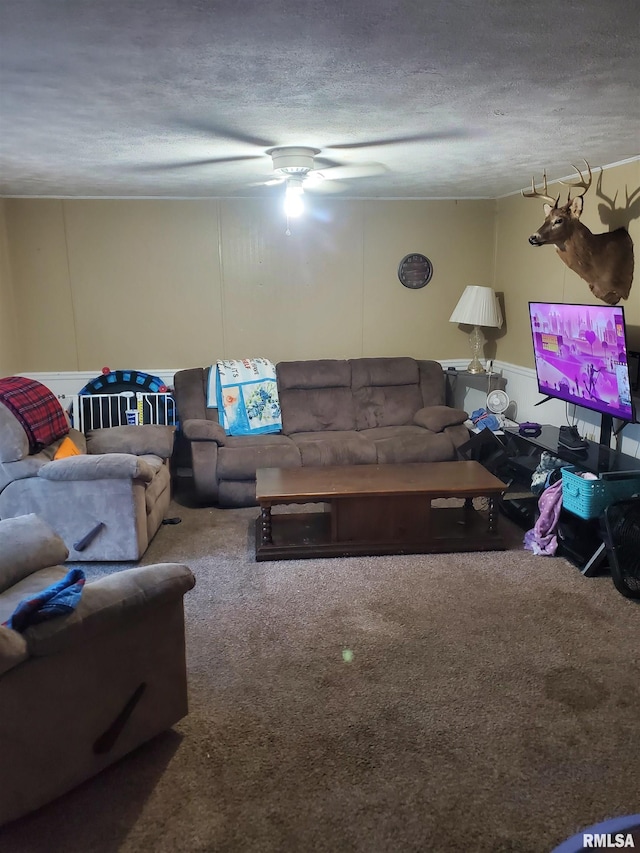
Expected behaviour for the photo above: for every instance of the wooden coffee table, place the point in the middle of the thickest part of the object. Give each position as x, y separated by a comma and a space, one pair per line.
376, 509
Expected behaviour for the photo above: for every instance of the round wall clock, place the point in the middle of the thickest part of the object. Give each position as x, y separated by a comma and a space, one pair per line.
415, 271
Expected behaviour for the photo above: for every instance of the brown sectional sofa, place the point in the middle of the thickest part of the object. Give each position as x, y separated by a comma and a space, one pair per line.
334, 412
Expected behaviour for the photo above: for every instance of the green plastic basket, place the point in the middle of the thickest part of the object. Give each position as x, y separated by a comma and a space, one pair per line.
588, 498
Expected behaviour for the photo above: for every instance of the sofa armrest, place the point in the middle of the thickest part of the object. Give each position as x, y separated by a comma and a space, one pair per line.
199, 429
13, 649
459, 435
154, 439
437, 418
108, 466
107, 604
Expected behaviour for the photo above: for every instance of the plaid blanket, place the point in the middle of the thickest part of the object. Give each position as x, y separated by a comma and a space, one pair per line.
39, 412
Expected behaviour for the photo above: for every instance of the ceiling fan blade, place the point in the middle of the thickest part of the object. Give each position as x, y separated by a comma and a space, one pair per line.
272, 182
161, 167
326, 187
434, 136
214, 129
354, 170
326, 163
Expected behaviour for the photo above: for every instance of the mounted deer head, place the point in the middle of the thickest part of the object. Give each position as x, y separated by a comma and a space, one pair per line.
604, 261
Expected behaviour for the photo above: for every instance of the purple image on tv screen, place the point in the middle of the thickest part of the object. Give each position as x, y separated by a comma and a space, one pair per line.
581, 356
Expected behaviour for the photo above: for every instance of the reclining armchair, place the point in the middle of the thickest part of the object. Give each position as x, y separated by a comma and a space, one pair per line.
106, 500
79, 691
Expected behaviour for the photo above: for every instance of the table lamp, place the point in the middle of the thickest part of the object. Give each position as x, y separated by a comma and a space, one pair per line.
478, 306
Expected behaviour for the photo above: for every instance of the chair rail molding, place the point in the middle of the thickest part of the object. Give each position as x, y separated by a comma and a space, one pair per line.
67, 383
522, 388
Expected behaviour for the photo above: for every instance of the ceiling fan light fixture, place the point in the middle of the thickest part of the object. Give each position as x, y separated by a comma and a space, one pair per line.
293, 160
293, 201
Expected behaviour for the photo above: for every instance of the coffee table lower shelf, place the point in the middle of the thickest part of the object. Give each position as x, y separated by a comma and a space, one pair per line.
303, 535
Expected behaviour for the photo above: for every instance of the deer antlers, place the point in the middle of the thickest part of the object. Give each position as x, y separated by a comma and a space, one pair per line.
583, 182
544, 195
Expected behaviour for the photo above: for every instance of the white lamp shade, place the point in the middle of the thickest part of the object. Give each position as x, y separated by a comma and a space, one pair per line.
478, 306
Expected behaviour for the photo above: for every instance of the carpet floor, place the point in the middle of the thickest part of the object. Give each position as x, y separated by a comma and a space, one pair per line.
455, 702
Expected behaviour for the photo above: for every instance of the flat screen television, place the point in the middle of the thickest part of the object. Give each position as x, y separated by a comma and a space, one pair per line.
581, 357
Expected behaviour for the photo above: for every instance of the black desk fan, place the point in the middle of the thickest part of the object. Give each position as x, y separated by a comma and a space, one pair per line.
622, 522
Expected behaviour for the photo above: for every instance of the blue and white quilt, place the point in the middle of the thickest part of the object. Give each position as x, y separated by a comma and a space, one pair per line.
245, 393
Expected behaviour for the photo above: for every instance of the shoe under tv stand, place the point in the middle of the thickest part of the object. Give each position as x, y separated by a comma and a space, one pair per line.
514, 457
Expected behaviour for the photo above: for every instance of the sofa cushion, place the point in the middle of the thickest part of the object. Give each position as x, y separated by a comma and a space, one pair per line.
410, 444
433, 384
436, 418
14, 443
318, 373
382, 433
242, 455
381, 372
28, 545
390, 406
315, 395
386, 391
335, 448
317, 410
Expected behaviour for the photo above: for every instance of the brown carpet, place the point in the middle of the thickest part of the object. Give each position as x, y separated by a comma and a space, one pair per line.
491, 704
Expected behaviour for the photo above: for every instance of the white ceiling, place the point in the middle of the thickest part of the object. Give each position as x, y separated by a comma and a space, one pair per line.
99, 99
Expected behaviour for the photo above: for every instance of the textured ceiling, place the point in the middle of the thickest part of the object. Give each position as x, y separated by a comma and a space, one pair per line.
114, 99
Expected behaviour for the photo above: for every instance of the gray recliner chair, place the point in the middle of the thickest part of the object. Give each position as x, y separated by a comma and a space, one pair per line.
81, 690
107, 502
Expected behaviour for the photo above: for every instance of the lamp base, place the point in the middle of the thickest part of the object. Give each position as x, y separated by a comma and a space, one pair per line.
476, 342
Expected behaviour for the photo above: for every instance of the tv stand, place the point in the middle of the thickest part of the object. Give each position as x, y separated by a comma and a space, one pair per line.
597, 458
514, 457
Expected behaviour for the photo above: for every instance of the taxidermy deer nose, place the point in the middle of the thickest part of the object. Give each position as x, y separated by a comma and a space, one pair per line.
534, 240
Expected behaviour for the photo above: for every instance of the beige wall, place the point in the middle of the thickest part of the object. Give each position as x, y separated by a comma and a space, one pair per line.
169, 284
10, 351
525, 272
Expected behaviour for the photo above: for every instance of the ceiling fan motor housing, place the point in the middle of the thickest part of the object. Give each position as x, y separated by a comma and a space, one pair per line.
293, 160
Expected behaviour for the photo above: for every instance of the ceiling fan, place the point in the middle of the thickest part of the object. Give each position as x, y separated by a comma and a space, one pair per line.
299, 166
296, 167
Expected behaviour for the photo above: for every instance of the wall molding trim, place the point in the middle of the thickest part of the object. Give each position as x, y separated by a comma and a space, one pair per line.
522, 389
67, 383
